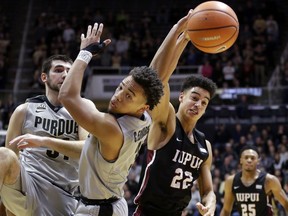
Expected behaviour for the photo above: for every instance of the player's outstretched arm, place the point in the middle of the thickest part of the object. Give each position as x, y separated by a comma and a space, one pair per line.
70, 148
83, 110
208, 198
273, 184
168, 54
165, 61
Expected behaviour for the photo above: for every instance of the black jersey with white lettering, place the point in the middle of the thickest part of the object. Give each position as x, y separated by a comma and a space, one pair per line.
252, 200
170, 173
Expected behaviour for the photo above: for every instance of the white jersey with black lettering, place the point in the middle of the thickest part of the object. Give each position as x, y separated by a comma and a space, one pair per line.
44, 119
49, 178
101, 179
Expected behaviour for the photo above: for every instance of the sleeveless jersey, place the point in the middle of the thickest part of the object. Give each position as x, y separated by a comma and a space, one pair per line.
44, 119
101, 179
252, 200
170, 173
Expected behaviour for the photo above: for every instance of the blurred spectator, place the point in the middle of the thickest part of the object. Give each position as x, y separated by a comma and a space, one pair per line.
229, 73
68, 33
260, 61
242, 107
247, 72
221, 136
122, 45
259, 25
206, 69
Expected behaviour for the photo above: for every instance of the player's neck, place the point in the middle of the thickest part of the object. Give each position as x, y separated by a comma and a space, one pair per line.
53, 98
187, 124
248, 178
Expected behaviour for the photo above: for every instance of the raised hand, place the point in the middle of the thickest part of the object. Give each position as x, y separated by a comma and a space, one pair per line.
92, 41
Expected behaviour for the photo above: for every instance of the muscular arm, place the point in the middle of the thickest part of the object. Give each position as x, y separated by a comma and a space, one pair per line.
165, 62
206, 186
228, 197
272, 184
99, 124
15, 126
168, 54
69, 148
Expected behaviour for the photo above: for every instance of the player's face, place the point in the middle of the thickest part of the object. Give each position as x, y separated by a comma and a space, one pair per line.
57, 74
194, 102
249, 160
129, 98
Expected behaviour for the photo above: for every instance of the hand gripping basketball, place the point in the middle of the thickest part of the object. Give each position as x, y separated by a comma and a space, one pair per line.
95, 48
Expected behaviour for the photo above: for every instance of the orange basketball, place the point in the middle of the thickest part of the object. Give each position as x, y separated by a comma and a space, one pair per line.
213, 27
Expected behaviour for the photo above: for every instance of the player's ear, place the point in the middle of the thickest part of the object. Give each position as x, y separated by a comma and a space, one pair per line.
44, 77
181, 97
144, 108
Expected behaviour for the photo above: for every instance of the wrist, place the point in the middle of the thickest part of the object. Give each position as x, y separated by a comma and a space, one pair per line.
85, 56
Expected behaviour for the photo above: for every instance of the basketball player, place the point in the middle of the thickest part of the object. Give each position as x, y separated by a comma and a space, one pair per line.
252, 189
178, 153
115, 137
42, 179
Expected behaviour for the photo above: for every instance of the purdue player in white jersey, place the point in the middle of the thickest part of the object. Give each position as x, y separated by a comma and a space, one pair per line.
115, 137
42, 178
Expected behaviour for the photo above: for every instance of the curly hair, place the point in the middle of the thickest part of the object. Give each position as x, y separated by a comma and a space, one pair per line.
46, 66
199, 81
148, 79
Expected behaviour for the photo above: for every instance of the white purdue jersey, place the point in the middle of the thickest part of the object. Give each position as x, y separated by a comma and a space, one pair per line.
53, 177
44, 119
101, 179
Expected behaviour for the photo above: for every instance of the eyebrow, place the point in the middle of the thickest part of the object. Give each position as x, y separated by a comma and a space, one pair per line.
59, 66
199, 95
128, 89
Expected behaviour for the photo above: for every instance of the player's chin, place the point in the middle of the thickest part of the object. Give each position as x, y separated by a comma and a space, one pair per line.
113, 109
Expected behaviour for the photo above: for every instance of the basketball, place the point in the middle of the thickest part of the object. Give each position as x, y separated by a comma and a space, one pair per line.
213, 27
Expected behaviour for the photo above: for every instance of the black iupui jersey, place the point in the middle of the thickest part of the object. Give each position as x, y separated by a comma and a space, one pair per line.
252, 200
170, 173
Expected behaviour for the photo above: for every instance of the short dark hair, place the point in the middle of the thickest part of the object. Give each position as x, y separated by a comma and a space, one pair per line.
149, 80
46, 66
199, 81
248, 147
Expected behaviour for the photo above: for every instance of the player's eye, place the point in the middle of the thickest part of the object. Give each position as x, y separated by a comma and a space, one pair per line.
128, 96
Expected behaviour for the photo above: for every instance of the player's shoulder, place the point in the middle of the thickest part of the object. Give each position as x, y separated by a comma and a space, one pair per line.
270, 179
230, 178
271, 182
21, 108
36, 99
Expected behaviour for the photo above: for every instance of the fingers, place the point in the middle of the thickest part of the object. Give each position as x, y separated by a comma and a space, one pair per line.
88, 33
21, 140
203, 210
16, 140
22, 144
98, 31
82, 36
92, 32
107, 41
